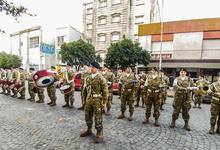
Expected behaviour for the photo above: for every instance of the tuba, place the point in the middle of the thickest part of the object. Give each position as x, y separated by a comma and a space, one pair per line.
203, 88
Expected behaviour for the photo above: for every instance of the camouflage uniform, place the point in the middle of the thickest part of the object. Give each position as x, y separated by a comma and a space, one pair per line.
109, 77
198, 97
141, 93
96, 93
22, 82
182, 100
3, 77
51, 91
68, 80
129, 87
165, 83
31, 86
152, 86
15, 77
82, 88
215, 107
40, 93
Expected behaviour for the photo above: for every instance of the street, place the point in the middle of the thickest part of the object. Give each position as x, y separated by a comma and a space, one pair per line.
28, 125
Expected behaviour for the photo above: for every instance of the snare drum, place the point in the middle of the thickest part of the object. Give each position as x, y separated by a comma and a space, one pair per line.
65, 89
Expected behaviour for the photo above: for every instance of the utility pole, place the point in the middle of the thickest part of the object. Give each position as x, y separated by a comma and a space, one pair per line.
28, 50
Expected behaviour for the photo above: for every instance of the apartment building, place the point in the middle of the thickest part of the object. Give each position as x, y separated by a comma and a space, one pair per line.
107, 21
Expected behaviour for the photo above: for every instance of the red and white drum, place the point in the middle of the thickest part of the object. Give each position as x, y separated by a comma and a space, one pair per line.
18, 87
58, 84
2, 83
11, 84
65, 89
44, 78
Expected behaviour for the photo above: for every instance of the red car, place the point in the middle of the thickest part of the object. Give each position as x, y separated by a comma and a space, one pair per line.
77, 80
115, 88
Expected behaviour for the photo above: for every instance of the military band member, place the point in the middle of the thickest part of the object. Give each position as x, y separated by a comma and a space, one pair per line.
152, 86
182, 98
68, 80
31, 85
140, 91
129, 88
109, 77
85, 74
15, 77
97, 95
199, 94
215, 106
165, 84
21, 81
51, 90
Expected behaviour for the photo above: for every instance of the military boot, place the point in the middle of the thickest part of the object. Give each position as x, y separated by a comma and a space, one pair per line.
40, 101
121, 116
98, 137
49, 103
186, 126
130, 117
53, 103
199, 107
146, 121
86, 133
211, 130
71, 104
156, 122
173, 124
108, 112
66, 105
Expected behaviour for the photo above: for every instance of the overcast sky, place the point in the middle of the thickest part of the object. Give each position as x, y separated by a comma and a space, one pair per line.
56, 13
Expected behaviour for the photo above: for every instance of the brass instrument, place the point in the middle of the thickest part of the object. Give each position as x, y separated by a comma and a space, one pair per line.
203, 88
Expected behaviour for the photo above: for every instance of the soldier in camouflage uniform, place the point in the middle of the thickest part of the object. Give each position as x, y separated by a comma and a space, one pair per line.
2, 77
152, 86
182, 98
31, 85
15, 77
68, 80
129, 87
85, 74
198, 97
141, 93
51, 90
165, 84
215, 106
97, 95
22, 82
109, 77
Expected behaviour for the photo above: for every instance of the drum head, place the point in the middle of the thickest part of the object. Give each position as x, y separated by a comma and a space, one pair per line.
64, 87
45, 81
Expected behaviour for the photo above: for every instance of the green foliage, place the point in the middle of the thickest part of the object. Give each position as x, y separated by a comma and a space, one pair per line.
8, 8
78, 53
8, 60
126, 53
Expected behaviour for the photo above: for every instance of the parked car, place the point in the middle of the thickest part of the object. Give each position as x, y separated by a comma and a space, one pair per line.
77, 81
115, 88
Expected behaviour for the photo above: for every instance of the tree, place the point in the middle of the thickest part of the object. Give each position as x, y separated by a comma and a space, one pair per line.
8, 60
78, 53
126, 53
8, 8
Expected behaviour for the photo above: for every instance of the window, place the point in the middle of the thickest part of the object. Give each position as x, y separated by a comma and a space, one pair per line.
89, 26
139, 19
60, 40
116, 18
114, 2
34, 42
101, 37
139, 2
102, 3
102, 20
115, 36
89, 11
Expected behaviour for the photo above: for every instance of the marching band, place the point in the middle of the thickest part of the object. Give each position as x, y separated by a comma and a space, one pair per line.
97, 92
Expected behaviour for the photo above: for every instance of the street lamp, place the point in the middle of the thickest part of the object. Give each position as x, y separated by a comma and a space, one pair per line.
161, 33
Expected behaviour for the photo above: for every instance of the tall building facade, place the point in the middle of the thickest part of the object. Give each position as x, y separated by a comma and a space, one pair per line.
107, 21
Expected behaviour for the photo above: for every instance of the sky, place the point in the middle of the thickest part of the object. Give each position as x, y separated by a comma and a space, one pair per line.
58, 13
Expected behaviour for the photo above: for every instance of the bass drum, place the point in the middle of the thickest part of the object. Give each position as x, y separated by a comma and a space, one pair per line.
44, 78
